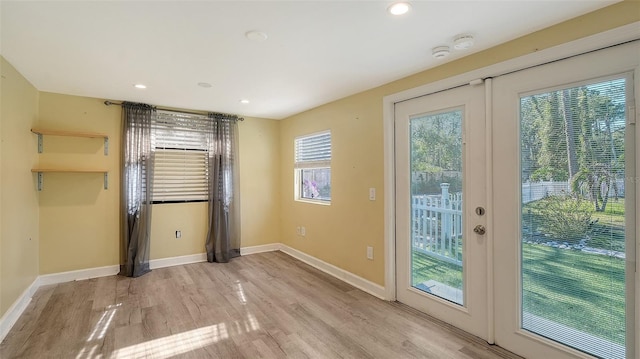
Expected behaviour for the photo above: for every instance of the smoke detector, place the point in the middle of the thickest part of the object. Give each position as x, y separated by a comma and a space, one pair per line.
462, 42
440, 52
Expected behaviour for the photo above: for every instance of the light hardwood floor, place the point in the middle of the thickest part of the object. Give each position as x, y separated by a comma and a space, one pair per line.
266, 305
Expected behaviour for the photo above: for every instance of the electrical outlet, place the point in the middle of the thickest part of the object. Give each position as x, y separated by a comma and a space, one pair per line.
178, 234
369, 252
303, 231
372, 194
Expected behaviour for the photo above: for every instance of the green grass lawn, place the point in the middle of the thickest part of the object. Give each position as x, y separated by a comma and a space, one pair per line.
614, 212
608, 233
426, 267
580, 290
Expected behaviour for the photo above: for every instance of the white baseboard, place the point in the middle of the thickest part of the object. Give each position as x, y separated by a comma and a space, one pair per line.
363, 284
176, 261
345, 276
260, 249
14, 312
80, 274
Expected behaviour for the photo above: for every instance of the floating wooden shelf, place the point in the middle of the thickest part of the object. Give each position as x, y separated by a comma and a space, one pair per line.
71, 170
41, 171
69, 133
42, 132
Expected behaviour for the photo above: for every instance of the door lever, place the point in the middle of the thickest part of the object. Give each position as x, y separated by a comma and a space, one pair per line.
479, 229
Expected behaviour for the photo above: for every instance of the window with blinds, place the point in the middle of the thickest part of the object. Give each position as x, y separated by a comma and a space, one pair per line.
313, 167
181, 154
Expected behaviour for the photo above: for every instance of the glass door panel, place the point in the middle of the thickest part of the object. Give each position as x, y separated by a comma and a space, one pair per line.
436, 205
573, 168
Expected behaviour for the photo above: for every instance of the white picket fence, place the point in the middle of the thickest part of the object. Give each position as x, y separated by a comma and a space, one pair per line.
533, 191
437, 219
437, 225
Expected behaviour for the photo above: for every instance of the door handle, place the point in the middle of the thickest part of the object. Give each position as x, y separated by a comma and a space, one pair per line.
479, 229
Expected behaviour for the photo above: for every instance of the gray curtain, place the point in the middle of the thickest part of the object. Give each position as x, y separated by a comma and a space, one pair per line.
223, 237
136, 178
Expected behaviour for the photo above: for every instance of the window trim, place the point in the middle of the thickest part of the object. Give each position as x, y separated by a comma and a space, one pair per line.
299, 166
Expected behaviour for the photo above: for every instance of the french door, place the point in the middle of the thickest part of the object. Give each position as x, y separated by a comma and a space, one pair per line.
563, 203
565, 230
440, 177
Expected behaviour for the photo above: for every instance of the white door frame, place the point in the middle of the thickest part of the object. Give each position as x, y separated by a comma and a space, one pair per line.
608, 38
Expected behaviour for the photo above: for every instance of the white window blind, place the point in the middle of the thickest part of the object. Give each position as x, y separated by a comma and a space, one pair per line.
313, 150
180, 143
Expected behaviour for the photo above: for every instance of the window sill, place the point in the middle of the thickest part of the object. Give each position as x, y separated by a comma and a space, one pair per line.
311, 201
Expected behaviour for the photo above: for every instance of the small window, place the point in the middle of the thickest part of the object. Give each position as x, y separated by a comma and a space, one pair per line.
313, 167
180, 145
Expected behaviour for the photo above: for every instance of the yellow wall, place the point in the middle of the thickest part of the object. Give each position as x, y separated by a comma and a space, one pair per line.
259, 186
260, 181
19, 211
167, 218
340, 233
79, 219
79, 226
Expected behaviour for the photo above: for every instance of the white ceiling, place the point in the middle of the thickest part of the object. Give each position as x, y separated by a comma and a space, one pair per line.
317, 51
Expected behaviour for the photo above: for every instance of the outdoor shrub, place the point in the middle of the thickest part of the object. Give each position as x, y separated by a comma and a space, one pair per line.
564, 218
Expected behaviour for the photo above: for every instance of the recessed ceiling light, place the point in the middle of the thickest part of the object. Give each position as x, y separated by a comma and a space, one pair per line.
140, 86
204, 84
463, 42
440, 52
256, 35
399, 8
244, 101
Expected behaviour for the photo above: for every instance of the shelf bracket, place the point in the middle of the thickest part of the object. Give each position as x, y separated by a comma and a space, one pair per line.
40, 176
106, 146
106, 180
39, 143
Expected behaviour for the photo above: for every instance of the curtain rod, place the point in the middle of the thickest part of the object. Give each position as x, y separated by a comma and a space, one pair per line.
109, 103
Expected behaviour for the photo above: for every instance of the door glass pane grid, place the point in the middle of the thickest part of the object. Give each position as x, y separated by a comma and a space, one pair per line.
573, 216
436, 205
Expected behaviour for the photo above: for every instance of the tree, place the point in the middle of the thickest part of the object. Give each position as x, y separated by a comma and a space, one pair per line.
436, 151
602, 158
578, 134
570, 135
545, 116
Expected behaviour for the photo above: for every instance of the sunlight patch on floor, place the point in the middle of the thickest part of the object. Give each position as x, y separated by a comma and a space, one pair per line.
250, 324
240, 292
99, 331
103, 324
175, 344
